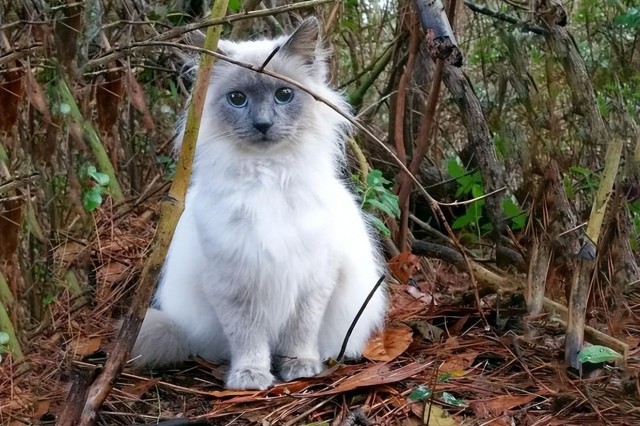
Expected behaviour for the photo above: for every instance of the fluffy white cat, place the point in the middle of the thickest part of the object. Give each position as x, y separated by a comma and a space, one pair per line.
271, 259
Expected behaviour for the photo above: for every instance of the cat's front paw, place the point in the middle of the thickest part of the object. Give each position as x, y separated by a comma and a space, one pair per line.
295, 368
247, 378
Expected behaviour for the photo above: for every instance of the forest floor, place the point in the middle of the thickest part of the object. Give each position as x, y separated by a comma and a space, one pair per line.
439, 361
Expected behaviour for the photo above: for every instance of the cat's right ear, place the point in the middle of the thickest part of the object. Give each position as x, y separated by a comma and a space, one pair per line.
305, 41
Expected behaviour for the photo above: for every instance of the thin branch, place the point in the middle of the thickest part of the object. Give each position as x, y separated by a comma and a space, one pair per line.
178, 32
525, 26
343, 349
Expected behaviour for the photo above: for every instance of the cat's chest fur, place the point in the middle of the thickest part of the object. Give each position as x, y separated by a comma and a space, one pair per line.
260, 218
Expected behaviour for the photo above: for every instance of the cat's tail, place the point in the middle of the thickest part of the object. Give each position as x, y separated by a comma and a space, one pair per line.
161, 342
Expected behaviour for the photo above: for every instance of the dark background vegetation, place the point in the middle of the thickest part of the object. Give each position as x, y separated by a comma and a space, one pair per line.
520, 132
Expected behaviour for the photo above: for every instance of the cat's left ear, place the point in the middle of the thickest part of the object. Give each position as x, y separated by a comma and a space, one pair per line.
306, 43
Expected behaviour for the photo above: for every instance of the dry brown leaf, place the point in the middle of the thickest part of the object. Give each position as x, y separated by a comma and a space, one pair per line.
37, 97
84, 347
500, 405
375, 375
10, 226
11, 95
42, 407
457, 364
141, 387
438, 416
108, 99
138, 100
404, 265
388, 343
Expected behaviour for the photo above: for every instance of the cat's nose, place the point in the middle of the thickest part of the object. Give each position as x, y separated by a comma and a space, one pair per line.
262, 127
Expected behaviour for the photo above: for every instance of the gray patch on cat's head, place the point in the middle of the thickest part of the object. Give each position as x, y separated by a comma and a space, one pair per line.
268, 117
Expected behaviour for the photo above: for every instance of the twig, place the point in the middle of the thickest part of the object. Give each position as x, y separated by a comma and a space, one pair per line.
357, 317
120, 52
525, 26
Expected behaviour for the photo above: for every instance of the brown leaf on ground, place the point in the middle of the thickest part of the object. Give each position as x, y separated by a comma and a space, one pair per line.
86, 346
140, 387
457, 364
404, 265
389, 343
498, 406
376, 375
432, 415
138, 99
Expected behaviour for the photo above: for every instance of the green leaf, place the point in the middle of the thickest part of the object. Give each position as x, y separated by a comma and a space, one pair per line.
513, 211
477, 191
454, 168
380, 226
444, 377
48, 299
235, 5
92, 199
462, 221
4, 338
383, 207
101, 179
420, 394
448, 398
596, 354
375, 179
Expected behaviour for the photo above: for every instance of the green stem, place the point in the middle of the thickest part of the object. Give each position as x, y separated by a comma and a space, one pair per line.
7, 326
92, 138
356, 97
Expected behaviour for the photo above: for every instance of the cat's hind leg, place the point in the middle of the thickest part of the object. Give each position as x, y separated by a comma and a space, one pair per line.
356, 280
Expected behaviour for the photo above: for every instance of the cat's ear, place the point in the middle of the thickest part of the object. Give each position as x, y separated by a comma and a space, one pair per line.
196, 38
305, 41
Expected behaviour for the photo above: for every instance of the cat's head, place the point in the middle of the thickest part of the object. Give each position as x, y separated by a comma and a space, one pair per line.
259, 113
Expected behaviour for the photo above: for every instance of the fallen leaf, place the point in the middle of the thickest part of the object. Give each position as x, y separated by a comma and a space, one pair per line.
403, 265
141, 387
389, 343
42, 408
376, 375
84, 347
428, 299
436, 416
498, 406
457, 364
428, 331
432, 415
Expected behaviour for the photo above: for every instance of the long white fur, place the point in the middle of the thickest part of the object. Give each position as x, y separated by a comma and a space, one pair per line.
271, 259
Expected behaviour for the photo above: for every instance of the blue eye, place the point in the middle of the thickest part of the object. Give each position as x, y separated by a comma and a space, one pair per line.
237, 99
284, 95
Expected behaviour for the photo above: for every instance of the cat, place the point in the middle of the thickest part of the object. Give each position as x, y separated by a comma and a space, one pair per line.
271, 259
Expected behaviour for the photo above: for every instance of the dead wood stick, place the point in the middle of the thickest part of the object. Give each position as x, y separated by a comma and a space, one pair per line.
499, 283
440, 39
487, 279
564, 47
593, 335
172, 208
